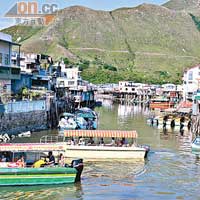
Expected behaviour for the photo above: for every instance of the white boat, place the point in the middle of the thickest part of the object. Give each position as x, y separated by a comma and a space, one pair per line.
196, 145
105, 152
114, 150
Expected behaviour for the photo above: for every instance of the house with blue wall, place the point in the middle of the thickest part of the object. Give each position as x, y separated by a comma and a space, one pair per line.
24, 81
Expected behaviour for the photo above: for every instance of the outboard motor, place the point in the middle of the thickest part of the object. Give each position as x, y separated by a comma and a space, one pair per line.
78, 165
147, 148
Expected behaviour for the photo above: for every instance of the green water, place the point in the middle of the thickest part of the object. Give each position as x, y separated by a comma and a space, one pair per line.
170, 172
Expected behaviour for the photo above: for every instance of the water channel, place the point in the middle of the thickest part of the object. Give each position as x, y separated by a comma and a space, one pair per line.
170, 172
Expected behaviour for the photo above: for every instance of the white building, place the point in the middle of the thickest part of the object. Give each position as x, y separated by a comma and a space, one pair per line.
7, 71
70, 78
129, 87
191, 81
169, 87
27, 62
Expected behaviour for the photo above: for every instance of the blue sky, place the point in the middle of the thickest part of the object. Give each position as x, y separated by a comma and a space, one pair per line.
94, 4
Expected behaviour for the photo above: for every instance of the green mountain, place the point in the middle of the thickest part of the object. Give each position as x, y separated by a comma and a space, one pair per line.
183, 4
147, 43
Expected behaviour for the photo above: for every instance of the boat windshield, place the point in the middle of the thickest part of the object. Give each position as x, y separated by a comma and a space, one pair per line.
197, 141
11, 154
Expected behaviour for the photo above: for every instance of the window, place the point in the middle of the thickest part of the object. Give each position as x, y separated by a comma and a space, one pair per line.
62, 83
190, 75
6, 59
71, 83
1, 59
15, 71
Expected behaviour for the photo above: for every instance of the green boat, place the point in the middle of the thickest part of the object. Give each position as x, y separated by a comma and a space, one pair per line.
12, 175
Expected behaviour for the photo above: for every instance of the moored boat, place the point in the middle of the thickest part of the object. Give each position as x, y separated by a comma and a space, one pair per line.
99, 149
13, 174
161, 103
82, 119
196, 145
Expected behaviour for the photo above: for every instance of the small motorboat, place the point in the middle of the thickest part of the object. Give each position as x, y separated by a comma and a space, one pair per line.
12, 173
196, 145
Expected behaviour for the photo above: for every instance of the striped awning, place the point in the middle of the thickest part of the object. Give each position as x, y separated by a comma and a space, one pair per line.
100, 133
31, 147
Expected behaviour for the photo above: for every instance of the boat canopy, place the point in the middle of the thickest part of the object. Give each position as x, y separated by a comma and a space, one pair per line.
100, 133
85, 115
67, 115
31, 147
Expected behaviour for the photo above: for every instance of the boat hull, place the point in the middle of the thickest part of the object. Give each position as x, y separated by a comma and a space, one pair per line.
103, 152
196, 148
36, 176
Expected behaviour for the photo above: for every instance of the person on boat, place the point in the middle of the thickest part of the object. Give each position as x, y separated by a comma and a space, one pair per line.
20, 162
51, 158
3, 158
101, 142
90, 141
112, 143
123, 142
81, 141
72, 142
40, 163
61, 161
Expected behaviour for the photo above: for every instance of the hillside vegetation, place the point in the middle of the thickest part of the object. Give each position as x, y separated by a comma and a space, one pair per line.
147, 43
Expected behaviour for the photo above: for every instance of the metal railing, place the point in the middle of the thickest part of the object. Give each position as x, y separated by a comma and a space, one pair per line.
52, 139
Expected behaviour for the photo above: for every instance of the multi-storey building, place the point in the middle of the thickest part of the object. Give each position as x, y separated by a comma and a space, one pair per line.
8, 72
191, 78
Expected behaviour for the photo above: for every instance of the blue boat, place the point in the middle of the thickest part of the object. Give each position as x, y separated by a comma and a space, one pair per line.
83, 119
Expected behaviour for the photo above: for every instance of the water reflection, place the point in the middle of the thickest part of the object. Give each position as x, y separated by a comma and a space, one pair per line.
129, 110
171, 172
107, 103
71, 191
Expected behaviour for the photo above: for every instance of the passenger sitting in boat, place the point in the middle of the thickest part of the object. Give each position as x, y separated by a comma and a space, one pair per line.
126, 144
123, 142
112, 142
90, 141
101, 142
61, 161
72, 141
51, 158
3, 158
40, 163
81, 142
20, 162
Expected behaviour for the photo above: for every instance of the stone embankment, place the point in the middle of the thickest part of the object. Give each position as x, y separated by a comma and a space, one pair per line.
14, 123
